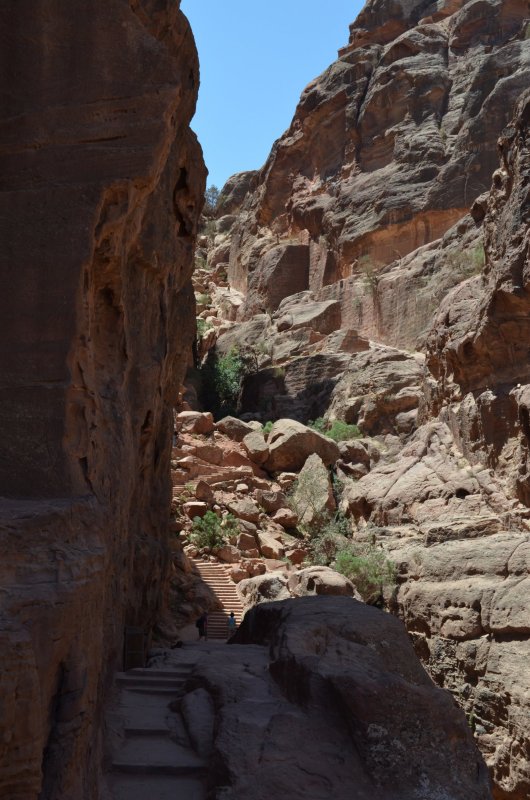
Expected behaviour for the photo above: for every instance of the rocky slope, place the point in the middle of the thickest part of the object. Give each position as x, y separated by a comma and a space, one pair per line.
102, 183
324, 697
368, 274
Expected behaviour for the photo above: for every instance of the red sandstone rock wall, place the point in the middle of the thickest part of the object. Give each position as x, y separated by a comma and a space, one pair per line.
101, 185
387, 150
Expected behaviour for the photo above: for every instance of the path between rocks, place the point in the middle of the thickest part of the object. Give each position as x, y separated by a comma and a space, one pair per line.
215, 575
149, 754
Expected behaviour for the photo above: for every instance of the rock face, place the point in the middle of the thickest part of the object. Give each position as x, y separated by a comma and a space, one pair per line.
342, 678
102, 183
401, 129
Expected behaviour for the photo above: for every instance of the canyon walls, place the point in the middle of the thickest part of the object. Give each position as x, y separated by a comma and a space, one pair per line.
387, 150
100, 190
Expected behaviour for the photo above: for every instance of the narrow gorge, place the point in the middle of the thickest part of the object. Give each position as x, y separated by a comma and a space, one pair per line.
305, 400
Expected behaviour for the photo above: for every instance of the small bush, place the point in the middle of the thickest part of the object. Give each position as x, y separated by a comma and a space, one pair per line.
367, 567
211, 531
338, 431
332, 538
342, 432
319, 425
203, 299
202, 327
267, 428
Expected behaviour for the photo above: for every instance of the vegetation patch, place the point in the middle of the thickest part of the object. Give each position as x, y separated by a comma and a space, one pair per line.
212, 531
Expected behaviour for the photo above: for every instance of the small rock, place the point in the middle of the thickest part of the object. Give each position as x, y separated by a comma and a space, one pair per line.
287, 480
228, 553
269, 546
271, 501
204, 492
245, 541
242, 487
244, 509
286, 517
238, 574
194, 508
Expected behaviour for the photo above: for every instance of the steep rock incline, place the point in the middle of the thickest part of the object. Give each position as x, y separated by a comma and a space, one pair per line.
478, 349
387, 150
445, 505
101, 186
340, 679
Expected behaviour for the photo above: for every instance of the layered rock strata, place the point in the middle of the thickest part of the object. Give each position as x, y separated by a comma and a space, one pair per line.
386, 152
101, 187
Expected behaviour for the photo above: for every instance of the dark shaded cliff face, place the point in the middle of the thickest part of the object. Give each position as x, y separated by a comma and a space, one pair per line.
100, 190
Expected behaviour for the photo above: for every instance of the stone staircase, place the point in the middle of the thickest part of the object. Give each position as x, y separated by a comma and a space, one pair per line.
150, 752
216, 577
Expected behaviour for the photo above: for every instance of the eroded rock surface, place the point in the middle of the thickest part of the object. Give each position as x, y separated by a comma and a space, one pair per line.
102, 183
342, 678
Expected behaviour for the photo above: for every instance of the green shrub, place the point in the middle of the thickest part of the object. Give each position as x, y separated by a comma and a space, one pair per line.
203, 299
367, 566
341, 431
320, 425
212, 531
267, 428
202, 327
331, 538
338, 431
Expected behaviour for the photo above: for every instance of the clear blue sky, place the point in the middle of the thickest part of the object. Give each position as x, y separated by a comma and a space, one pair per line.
256, 58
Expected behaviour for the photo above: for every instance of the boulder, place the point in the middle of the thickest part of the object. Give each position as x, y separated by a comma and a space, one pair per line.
271, 501
256, 447
269, 546
234, 428
245, 541
290, 443
262, 588
286, 517
204, 492
228, 553
238, 574
195, 508
244, 509
195, 422
296, 555
312, 497
320, 580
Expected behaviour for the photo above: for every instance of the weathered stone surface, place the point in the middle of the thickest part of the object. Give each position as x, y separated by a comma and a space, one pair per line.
313, 495
228, 553
286, 517
290, 443
195, 422
377, 387
269, 546
256, 447
271, 501
320, 580
262, 588
102, 182
234, 428
244, 509
309, 663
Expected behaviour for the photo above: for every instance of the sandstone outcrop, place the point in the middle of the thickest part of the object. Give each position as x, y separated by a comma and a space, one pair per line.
402, 130
102, 184
343, 679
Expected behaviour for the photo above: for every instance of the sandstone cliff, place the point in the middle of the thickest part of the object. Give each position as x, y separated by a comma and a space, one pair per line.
101, 187
386, 151
375, 278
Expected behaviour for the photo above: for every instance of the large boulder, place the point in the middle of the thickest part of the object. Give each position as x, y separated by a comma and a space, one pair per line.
342, 678
313, 494
320, 580
290, 443
262, 588
194, 422
234, 428
256, 447
269, 546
